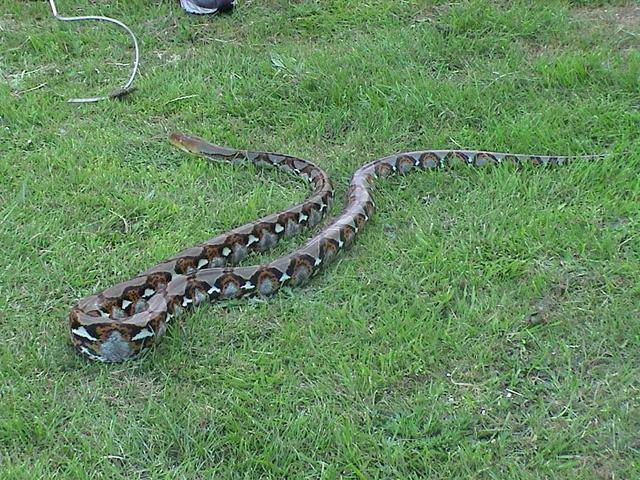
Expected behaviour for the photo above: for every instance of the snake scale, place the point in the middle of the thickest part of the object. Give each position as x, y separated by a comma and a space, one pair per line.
125, 320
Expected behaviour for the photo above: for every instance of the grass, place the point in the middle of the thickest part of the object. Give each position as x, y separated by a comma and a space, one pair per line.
484, 326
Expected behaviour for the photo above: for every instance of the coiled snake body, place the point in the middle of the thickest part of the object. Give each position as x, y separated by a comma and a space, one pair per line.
125, 320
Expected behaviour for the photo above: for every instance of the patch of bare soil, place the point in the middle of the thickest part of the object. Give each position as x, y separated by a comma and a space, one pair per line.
624, 18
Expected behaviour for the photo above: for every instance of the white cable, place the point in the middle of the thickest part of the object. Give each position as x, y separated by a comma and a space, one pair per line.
126, 88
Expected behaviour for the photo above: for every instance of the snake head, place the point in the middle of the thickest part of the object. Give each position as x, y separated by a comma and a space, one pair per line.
200, 147
184, 142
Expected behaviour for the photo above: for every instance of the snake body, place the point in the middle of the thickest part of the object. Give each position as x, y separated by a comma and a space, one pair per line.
125, 320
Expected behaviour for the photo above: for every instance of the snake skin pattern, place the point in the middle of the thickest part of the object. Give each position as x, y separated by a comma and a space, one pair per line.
125, 320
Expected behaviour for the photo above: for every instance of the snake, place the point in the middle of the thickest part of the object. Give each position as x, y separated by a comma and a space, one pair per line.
126, 320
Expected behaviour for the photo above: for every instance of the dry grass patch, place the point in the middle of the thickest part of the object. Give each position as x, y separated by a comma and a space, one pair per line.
622, 18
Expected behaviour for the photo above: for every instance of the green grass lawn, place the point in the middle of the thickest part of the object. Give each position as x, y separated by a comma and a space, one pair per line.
485, 325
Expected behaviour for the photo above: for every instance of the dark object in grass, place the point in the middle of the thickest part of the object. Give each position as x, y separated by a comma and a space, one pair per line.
203, 7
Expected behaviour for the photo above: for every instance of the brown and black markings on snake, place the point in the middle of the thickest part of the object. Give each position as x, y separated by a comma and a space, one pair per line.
125, 320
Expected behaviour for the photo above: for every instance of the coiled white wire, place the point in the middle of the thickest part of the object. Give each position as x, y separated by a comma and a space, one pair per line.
127, 87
